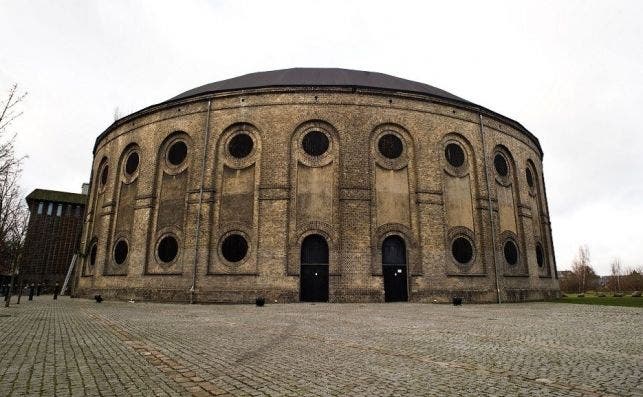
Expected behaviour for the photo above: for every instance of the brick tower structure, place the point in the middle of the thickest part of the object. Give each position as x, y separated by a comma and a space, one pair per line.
53, 235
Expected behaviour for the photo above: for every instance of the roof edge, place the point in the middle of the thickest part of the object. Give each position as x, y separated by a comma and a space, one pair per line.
462, 104
57, 196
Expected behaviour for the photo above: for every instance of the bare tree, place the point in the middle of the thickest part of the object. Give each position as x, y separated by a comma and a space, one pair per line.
13, 212
117, 113
581, 267
616, 270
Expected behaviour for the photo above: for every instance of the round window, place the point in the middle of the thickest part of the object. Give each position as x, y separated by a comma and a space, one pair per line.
234, 248
120, 252
540, 255
240, 145
454, 154
500, 163
462, 250
131, 165
177, 153
103, 175
92, 254
530, 177
511, 252
390, 146
315, 143
168, 249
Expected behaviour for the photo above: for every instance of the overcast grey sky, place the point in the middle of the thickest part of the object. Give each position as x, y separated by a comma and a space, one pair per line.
571, 72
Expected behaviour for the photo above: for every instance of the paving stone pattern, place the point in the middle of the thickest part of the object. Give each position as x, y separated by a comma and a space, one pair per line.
80, 348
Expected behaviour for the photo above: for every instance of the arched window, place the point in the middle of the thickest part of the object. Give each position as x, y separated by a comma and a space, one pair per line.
314, 249
393, 251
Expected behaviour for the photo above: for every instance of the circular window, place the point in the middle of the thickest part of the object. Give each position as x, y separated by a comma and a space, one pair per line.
167, 249
462, 250
390, 146
530, 177
454, 154
103, 175
92, 254
500, 163
511, 252
120, 252
131, 165
234, 248
315, 143
177, 153
240, 145
540, 255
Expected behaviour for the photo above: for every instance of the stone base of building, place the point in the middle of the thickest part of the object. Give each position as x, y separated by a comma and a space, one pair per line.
292, 296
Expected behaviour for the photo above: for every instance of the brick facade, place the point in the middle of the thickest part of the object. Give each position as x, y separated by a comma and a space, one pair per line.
351, 193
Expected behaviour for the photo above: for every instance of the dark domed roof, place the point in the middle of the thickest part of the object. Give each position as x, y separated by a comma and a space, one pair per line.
319, 77
322, 77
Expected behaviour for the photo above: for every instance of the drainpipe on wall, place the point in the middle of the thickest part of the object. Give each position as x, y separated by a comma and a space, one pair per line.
493, 228
206, 137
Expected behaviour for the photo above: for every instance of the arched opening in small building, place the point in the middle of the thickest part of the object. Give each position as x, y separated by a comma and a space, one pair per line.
313, 277
394, 269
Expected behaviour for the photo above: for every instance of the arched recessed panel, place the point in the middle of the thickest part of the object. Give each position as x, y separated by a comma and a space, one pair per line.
314, 191
174, 161
540, 231
235, 215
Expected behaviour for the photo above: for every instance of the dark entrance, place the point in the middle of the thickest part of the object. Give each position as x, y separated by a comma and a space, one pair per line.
394, 269
314, 269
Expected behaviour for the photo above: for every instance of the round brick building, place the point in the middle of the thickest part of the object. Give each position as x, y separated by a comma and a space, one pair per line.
317, 185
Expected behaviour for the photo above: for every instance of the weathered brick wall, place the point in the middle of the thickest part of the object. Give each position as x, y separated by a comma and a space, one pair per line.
349, 216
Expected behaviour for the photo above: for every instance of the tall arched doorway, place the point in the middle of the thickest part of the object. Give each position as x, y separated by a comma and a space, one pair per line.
394, 269
314, 269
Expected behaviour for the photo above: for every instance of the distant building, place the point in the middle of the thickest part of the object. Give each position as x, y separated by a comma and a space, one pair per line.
53, 235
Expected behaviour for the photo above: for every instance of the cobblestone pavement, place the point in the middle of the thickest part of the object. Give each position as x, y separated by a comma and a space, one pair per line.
81, 348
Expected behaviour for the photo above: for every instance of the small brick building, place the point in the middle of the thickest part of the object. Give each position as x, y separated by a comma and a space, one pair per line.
53, 235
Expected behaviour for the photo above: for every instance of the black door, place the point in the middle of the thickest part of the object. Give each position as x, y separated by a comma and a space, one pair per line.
395, 283
394, 269
314, 269
314, 283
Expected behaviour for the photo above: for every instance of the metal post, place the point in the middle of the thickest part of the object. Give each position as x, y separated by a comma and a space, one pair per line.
19, 292
206, 137
7, 300
69, 272
493, 228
